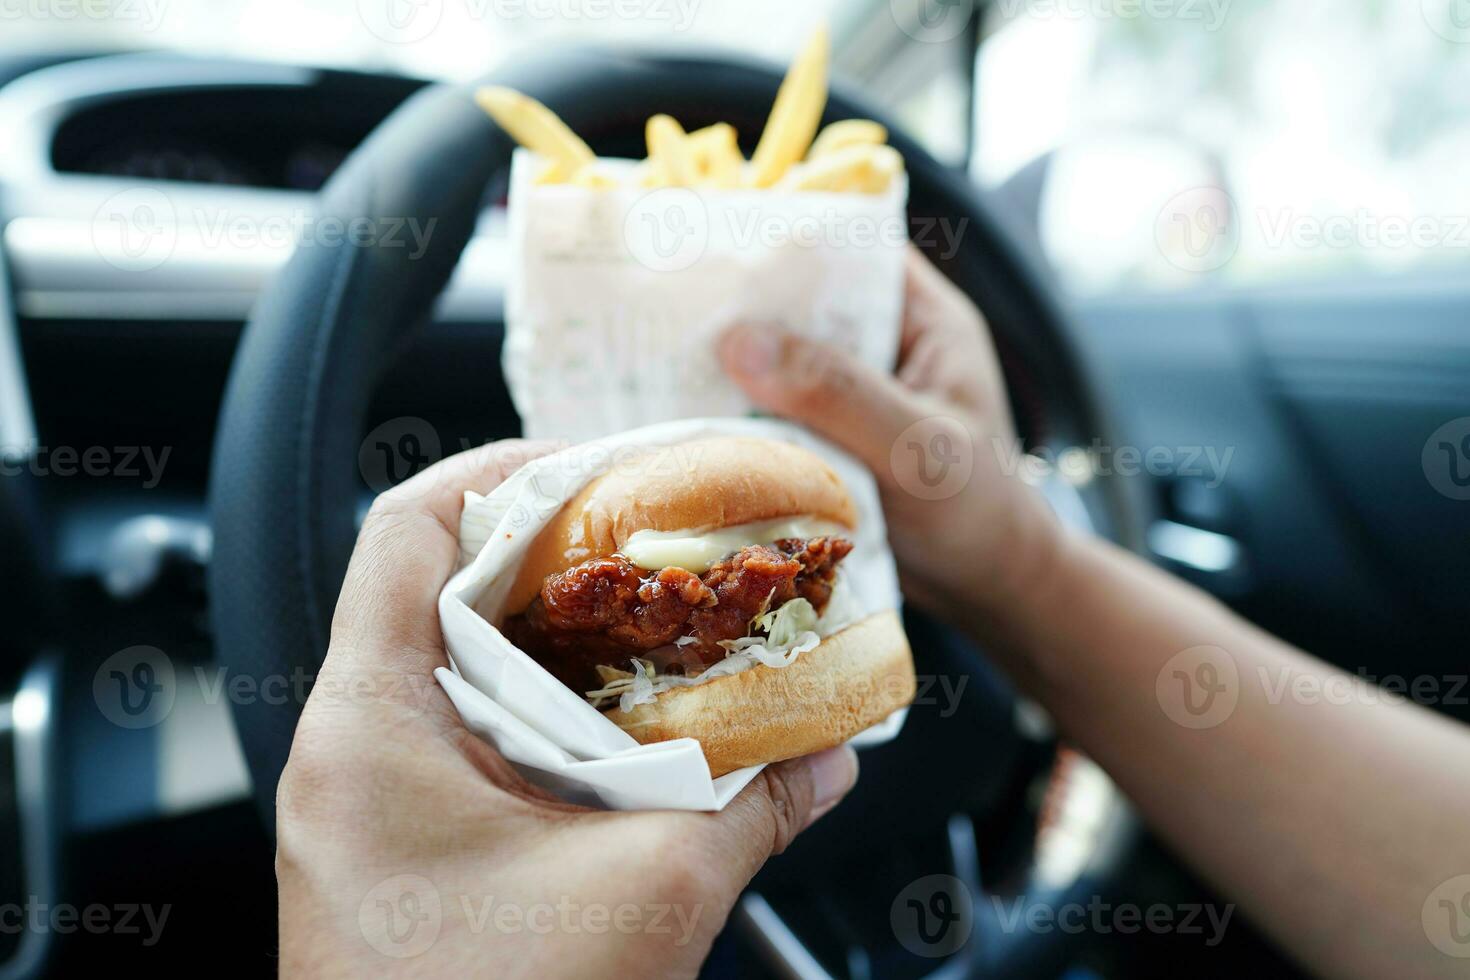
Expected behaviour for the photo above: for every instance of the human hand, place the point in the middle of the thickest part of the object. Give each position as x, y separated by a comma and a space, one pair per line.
968, 534
406, 845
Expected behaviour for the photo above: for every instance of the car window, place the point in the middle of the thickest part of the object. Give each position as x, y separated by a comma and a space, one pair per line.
1244, 142
915, 67
428, 38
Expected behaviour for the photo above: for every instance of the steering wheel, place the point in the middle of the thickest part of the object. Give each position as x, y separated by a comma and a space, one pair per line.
285, 477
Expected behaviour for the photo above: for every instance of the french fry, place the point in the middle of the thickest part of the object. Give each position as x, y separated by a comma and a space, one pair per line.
590, 177
848, 156
795, 116
539, 129
863, 169
848, 132
645, 174
887, 166
717, 155
669, 152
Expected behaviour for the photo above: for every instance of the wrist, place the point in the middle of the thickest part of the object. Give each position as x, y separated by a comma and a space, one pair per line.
1022, 587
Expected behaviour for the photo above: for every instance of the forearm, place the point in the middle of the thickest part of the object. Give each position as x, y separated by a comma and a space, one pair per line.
1330, 816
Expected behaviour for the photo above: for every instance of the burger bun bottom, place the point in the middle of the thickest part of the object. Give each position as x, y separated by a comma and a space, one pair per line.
851, 681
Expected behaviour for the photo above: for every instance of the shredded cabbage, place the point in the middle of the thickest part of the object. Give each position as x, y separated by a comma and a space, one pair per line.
787, 632
642, 691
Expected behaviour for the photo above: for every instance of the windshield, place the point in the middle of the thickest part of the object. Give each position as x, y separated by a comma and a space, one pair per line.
446, 39
912, 64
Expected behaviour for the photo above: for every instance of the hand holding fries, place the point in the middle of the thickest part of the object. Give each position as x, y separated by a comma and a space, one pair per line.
851, 156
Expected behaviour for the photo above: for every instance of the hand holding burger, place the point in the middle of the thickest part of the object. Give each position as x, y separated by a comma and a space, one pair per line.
697, 591
389, 800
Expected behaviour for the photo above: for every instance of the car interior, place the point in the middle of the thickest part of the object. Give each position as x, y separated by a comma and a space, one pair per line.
1216, 241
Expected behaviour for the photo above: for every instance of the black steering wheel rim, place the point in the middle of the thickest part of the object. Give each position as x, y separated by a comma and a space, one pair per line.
285, 478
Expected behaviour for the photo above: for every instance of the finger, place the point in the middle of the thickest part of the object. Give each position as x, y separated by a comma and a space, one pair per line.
407, 550
779, 804
919, 285
824, 388
947, 346
439, 490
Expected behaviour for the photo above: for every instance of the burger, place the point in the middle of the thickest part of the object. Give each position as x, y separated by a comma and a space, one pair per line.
698, 591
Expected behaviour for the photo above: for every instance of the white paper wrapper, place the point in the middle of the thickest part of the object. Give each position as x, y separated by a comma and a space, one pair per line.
552, 734
615, 297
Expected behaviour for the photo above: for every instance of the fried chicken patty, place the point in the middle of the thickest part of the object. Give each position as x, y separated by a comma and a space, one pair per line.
607, 611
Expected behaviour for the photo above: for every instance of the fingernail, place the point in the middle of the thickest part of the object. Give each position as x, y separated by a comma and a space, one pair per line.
834, 772
754, 350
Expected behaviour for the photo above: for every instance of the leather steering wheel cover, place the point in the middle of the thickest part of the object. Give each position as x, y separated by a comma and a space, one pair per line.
284, 482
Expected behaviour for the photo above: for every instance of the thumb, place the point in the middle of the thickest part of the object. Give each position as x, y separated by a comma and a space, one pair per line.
780, 803
823, 387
